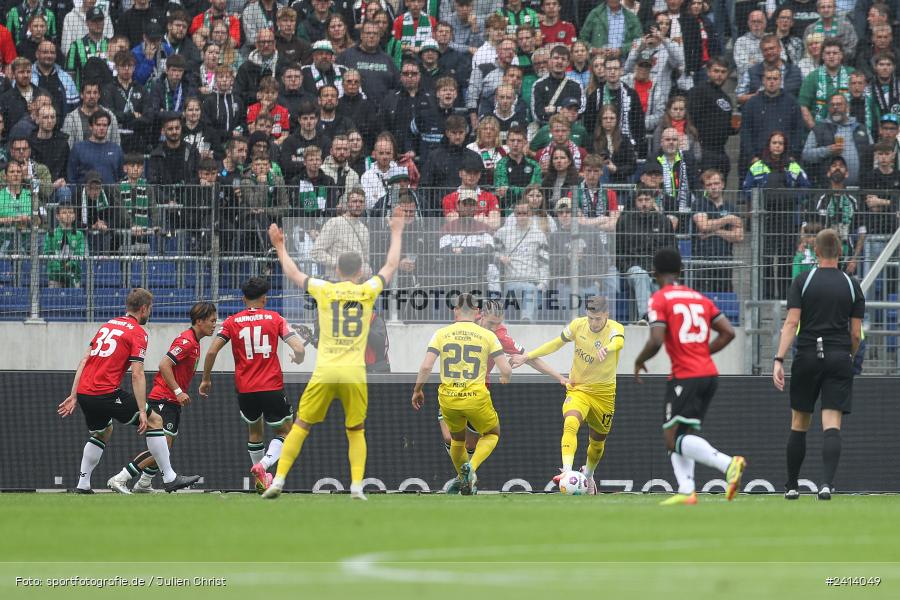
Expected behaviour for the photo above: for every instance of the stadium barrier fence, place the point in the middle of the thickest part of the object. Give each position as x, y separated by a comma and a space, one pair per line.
405, 450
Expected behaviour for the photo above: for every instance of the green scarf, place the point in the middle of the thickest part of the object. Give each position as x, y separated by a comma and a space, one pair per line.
135, 201
415, 36
312, 198
841, 86
819, 27
526, 16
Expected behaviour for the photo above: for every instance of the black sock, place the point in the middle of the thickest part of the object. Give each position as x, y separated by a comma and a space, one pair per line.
796, 452
831, 454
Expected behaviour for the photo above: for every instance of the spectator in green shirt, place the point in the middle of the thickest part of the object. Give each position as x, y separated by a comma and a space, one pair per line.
67, 244
15, 209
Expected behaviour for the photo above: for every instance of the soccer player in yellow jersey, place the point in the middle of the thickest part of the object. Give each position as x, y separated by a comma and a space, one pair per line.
464, 350
345, 312
591, 393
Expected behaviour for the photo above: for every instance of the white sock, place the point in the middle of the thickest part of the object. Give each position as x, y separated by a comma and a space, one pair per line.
698, 449
567, 466
93, 450
145, 480
684, 473
273, 453
158, 447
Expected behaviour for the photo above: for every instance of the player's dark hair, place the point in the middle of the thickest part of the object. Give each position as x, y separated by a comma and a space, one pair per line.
349, 263
137, 299
667, 261
202, 311
254, 288
597, 304
466, 302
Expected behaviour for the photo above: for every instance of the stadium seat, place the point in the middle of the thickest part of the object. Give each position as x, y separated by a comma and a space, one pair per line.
729, 304
15, 303
6, 272
63, 304
162, 274
233, 273
109, 303
686, 249
230, 302
107, 274
172, 305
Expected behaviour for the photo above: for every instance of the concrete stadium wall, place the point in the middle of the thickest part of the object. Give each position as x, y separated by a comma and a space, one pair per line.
59, 346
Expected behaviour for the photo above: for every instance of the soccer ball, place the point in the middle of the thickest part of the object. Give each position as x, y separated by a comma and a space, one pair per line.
572, 483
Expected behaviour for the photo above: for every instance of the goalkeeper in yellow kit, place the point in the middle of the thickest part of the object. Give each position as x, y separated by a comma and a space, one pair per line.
591, 394
464, 350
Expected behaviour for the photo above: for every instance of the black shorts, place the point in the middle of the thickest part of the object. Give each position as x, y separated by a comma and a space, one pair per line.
687, 401
272, 405
170, 413
99, 411
830, 377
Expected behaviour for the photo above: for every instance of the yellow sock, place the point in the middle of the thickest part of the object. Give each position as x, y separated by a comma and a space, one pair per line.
458, 454
290, 450
483, 449
356, 451
594, 454
569, 443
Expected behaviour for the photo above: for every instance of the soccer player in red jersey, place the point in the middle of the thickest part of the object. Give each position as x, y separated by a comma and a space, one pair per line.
254, 333
121, 343
491, 318
169, 394
681, 318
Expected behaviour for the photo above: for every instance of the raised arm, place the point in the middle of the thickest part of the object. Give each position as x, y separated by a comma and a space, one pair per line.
392, 260
288, 267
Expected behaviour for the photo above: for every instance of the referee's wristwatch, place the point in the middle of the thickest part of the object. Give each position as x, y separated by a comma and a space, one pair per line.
779, 359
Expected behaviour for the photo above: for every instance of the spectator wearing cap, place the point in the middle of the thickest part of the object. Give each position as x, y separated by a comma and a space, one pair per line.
170, 92
485, 80
93, 44
429, 57
100, 215
769, 110
378, 70
838, 135
552, 90
75, 25
397, 186
262, 62
67, 245
127, 100
98, 153
610, 30
137, 20
888, 128
487, 207
215, 13
466, 244
148, 55
323, 70
441, 170
653, 92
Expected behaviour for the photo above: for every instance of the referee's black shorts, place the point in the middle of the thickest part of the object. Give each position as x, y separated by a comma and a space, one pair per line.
99, 411
831, 377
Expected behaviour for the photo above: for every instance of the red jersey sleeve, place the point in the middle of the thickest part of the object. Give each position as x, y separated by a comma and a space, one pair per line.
509, 345
138, 345
177, 351
658, 309
449, 203
612, 200
227, 331
492, 203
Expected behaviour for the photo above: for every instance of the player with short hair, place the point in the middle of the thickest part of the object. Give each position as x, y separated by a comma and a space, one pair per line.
169, 394
591, 393
465, 349
257, 374
491, 318
121, 343
681, 318
345, 315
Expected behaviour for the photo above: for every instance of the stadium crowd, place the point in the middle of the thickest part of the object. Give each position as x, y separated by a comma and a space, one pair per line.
497, 125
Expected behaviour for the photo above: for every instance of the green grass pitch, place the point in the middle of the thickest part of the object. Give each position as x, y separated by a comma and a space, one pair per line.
491, 546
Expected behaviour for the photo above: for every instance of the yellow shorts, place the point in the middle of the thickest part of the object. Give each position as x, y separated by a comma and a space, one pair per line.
596, 409
478, 412
319, 393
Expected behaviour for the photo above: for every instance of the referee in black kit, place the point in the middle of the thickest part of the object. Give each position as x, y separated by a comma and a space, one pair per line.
825, 312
